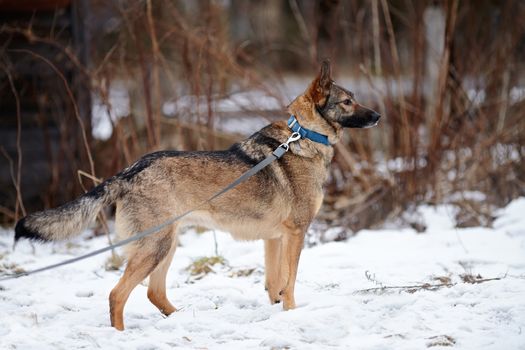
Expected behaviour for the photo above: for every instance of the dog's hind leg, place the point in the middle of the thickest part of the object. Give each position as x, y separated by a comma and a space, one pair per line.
274, 279
142, 261
157, 282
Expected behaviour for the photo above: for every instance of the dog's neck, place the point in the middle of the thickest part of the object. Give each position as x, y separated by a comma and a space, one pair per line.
306, 133
311, 118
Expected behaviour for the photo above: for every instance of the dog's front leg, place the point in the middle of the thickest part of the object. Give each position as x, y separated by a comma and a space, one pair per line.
292, 244
274, 279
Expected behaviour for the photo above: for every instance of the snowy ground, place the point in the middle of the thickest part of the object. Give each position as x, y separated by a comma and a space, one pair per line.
67, 308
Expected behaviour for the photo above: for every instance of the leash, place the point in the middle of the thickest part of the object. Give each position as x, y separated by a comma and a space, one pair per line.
275, 155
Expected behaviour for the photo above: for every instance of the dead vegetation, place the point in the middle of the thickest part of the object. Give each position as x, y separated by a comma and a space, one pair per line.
114, 262
441, 340
452, 117
10, 268
204, 265
437, 283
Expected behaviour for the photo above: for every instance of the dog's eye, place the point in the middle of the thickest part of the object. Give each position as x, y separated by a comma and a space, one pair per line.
347, 102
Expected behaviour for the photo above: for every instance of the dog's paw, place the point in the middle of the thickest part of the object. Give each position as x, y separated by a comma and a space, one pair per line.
288, 300
274, 295
288, 305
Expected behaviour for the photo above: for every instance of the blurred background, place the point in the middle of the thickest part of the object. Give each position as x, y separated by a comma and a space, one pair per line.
88, 86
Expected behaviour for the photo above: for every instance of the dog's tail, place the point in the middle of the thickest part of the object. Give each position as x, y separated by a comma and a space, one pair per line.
71, 218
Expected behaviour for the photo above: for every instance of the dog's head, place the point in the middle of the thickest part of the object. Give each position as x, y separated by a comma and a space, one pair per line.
338, 105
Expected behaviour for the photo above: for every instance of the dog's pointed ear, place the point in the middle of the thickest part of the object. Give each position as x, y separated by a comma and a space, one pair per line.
320, 88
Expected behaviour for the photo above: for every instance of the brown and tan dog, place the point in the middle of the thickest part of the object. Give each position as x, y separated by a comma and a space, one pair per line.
277, 204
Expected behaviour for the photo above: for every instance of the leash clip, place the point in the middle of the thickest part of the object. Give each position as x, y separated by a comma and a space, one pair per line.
293, 137
284, 147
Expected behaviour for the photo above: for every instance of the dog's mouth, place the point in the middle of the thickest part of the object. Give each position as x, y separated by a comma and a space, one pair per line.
372, 124
361, 121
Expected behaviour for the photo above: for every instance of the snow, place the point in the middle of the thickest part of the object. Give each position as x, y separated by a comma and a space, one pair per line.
236, 102
105, 113
245, 105
240, 111
67, 308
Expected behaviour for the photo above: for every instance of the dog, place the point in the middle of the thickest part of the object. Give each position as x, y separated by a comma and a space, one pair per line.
276, 205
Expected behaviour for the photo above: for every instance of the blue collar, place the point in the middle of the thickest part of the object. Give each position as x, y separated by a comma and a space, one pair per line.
307, 133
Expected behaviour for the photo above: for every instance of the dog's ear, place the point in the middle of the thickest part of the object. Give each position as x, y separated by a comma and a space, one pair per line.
320, 88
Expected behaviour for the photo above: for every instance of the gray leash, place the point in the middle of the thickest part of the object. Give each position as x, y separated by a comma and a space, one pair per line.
277, 154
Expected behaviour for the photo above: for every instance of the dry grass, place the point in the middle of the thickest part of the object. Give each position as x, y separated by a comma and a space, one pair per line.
11, 268
441, 340
244, 272
437, 283
114, 262
203, 266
